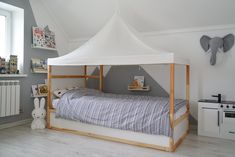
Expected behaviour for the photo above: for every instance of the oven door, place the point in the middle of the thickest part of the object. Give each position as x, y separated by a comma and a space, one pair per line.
227, 129
229, 117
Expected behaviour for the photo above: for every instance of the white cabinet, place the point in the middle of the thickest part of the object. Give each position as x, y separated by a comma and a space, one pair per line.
208, 119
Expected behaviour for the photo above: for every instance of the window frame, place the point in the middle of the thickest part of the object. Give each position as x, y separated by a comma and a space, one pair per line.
9, 30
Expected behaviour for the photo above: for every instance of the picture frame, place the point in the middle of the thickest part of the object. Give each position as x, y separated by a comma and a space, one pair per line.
38, 65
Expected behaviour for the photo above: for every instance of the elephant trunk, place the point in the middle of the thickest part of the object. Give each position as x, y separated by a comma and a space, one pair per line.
213, 57
216, 43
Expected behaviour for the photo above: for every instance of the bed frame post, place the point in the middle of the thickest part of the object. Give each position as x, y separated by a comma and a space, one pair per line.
172, 94
187, 90
172, 97
101, 78
187, 85
85, 74
49, 95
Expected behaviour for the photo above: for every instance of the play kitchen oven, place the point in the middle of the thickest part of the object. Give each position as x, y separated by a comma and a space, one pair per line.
227, 120
216, 119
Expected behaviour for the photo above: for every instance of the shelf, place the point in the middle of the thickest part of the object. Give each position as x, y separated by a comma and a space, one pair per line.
38, 96
133, 88
44, 48
12, 75
41, 72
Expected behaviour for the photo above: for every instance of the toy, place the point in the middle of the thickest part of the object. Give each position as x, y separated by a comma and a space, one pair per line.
13, 64
136, 84
2, 66
59, 92
39, 114
216, 44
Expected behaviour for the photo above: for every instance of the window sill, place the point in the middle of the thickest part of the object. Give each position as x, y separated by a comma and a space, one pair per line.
12, 75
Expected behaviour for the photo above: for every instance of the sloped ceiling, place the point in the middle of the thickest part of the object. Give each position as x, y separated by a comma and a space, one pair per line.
83, 18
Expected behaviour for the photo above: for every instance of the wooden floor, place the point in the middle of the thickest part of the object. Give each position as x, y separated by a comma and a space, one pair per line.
21, 141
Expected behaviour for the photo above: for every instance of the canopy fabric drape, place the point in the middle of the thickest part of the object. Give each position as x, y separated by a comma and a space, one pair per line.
116, 44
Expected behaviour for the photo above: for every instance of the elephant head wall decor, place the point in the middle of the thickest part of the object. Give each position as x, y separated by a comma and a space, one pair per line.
216, 44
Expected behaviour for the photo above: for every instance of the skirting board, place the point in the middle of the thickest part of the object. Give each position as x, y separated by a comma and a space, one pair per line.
17, 123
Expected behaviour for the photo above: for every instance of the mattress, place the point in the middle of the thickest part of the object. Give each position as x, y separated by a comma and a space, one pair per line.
145, 114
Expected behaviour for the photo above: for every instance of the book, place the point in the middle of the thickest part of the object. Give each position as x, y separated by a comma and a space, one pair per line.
43, 37
35, 89
39, 65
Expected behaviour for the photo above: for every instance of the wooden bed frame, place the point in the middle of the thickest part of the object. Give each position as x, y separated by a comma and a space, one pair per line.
180, 126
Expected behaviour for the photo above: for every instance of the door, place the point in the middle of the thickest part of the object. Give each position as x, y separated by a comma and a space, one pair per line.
227, 129
209, 121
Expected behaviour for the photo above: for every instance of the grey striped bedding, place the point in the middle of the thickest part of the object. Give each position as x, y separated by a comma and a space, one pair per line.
145, 114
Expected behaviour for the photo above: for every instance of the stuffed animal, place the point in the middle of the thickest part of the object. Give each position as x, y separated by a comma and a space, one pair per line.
39, 114
59, 92
135, 84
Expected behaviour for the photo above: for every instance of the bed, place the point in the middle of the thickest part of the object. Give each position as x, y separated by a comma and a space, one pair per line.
163, 125
144, 114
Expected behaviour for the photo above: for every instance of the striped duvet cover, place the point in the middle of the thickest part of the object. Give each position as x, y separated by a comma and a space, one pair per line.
145, 114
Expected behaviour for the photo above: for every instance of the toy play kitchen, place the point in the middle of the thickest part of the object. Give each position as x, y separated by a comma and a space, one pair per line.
216, 118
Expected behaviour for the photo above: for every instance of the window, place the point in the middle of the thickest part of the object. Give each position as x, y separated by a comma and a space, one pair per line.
5, 33
2, 34
12, 33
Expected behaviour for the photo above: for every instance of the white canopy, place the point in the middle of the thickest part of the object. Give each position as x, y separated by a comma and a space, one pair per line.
116, 44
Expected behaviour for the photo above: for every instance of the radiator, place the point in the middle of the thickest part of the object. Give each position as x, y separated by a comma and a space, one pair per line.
9, 97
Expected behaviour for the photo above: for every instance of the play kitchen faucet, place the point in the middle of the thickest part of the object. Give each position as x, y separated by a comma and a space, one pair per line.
218, 96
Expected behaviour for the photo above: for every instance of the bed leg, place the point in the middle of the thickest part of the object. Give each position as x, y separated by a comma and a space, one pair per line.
49, 96
171, 145
85, 74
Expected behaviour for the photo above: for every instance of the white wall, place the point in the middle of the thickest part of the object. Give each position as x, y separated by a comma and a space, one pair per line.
44, 17
205, 79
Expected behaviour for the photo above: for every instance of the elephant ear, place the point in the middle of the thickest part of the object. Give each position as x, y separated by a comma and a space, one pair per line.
228, 42
205, 42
